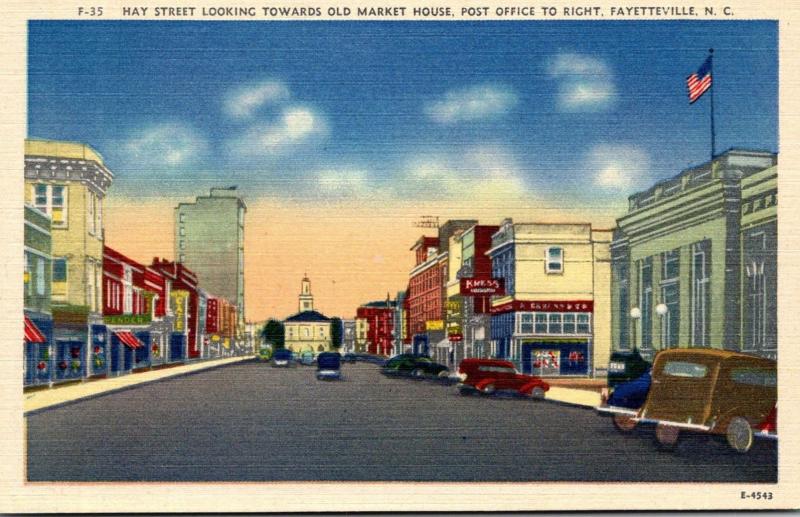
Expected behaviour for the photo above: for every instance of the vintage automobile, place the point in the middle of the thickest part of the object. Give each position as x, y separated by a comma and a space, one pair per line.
282, 357
626, 366
416, 366
329, 366
626, 399
488, 376
711, 391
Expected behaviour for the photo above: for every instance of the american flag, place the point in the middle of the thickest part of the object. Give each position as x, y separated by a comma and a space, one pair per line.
700, 81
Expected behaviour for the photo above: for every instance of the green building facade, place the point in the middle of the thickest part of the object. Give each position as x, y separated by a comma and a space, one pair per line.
694, 261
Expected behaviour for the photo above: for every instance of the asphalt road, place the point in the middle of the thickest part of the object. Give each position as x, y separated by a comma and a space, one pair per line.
252, 422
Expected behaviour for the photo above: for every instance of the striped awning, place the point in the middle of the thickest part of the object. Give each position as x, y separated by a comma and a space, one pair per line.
129, 339
32, 332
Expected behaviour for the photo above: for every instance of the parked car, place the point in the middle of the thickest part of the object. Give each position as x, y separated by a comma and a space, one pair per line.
329, 366
625, 401
282, 357
488, 376
349, 357
711, 391
626, 366
306, 358
264, 353
415, 365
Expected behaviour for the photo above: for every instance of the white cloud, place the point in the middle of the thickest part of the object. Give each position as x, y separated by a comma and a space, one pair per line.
335, 183
486, 174
617, 166
245, 101
295, 126
169, 144
586, 83
473, 103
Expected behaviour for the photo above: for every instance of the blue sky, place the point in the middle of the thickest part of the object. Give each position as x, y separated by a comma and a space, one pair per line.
551, 112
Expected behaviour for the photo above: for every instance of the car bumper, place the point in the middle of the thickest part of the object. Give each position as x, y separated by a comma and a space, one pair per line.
280, 363
616, 410
329, 374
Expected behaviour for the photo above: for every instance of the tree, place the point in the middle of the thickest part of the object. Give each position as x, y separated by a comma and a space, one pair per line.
336, 332
273, 333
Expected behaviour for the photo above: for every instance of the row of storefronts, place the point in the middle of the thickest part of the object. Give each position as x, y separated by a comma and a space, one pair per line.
89, 310
692, 264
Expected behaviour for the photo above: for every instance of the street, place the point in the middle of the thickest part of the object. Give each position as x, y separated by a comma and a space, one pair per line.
253, 422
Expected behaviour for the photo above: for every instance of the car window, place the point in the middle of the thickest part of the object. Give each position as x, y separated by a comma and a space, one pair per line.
394, 362
755, 376
685, 369
423, 360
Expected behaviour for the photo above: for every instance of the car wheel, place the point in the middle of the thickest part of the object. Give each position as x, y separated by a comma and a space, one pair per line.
740, 435
667, 436
488, 389
417, 374
465, 392
537, 393
624, 423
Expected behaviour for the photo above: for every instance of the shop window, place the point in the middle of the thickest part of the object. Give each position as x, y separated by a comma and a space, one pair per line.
541, 323
555, 260
569, 323
526, 323
584, 324
554, 324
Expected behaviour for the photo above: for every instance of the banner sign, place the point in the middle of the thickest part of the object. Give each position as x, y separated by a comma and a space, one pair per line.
178, 301
127, 319
434, 325
456, 337
544, 306
483, 287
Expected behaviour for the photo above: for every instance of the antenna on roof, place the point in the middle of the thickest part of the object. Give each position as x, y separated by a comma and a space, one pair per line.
427, 221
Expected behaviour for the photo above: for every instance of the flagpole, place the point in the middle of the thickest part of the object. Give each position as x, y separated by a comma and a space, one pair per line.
713, 132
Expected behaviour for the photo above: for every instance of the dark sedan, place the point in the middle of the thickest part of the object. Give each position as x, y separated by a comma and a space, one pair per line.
416, 366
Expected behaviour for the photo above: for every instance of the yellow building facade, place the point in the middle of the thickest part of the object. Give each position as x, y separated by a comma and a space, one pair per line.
555, 318
68, 181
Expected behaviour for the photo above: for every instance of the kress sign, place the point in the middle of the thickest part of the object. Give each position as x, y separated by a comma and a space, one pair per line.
483, 287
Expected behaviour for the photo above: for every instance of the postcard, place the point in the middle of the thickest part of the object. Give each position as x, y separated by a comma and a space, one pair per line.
409, 256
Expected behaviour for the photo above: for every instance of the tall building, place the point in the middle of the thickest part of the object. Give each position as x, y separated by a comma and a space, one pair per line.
209, 240
68, 181
695, 259
380, 318
554, 319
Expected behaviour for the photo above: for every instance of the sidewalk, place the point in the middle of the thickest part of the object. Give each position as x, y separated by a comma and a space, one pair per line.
573, 397
43, 398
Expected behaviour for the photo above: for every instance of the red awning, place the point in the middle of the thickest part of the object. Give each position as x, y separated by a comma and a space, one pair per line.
32, 332
129, 339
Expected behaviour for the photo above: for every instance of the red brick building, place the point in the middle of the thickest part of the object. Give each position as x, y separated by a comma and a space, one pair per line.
380, 326
425, 301
183, 279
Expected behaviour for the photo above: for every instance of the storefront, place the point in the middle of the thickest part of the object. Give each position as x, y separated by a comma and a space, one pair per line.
547, 358
99, 353
37, 363
125, 351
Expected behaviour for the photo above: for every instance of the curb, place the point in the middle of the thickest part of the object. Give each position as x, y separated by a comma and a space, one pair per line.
57, 405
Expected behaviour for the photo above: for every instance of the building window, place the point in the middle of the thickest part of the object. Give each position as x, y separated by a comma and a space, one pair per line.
526, 323
701, 292
620, 272
182, 244
182, 231
60, 270
755, 286
51, 199
584, 323
127, 293
646, 300
28, 268
541, 323
569, 323
306, 333
90, 209
670, 296
555, 260
40, 278
181, 218
554, 324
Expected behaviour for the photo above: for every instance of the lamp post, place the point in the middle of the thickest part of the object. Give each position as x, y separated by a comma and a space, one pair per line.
636, 313
662, 310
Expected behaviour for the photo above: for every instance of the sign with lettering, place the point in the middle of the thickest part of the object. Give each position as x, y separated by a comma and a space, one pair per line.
483, 287
455, 337
178, 301
545, 306
434, 325
127, 319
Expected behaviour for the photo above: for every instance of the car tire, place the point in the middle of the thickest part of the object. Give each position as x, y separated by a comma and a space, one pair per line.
417, 373
489, 389
667, 436
624, 423
739, 435
465, 392
537, 393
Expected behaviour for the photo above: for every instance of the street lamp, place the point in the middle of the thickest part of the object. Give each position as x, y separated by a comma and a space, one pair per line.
636, 313
662, 310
